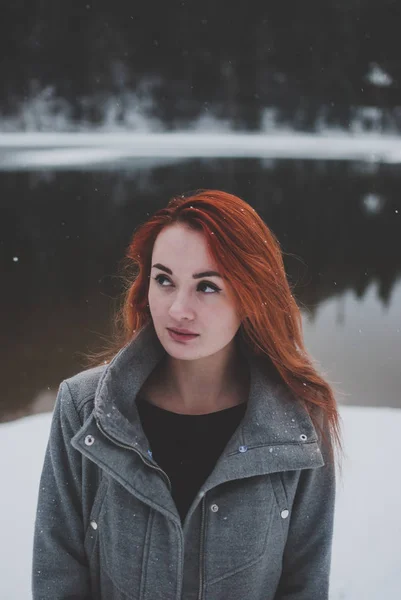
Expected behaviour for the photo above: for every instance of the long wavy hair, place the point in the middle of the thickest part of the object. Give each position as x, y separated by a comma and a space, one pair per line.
248, 254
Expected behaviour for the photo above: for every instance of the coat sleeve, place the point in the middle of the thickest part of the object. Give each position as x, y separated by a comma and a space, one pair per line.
307, 555
59, 569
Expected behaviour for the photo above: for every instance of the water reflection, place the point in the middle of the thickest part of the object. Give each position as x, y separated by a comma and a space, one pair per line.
358, 343
62, 235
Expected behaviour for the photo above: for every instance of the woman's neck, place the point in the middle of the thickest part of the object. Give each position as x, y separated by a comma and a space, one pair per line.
199, 386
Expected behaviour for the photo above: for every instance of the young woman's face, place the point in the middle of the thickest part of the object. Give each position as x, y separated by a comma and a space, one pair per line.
178, 300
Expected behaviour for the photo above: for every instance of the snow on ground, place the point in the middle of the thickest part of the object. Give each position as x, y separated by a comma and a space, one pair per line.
22, 448
367, 535
367, 538
27, 150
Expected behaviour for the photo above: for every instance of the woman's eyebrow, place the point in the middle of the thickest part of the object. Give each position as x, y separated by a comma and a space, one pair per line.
195, 275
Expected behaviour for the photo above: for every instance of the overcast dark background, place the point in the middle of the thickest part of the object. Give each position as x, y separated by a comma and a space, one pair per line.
309, 59
128, 66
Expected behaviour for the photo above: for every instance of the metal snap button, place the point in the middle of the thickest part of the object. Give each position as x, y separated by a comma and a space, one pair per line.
93, 524
214, 508
243, 448
284, 514
303, 437
89, 440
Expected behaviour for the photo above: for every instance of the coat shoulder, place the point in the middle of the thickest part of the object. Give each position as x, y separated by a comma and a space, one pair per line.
83, 385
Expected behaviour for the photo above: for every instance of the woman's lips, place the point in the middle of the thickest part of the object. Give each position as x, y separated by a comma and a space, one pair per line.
181, 337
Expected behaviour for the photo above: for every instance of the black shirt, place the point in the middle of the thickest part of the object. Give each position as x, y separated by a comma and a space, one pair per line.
187, 447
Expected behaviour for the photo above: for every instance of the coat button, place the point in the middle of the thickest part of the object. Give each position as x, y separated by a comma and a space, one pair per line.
303, 437
89, 440
284, 514
93, 524
214, 508
243, 448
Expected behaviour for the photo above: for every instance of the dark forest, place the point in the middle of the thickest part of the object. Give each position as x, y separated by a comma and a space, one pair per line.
308, 60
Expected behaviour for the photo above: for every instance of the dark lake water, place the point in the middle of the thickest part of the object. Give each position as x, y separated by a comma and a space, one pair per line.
64, 233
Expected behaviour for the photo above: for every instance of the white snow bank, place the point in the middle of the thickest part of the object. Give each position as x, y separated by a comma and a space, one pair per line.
366, 548
367, 534
36, 149
22, 447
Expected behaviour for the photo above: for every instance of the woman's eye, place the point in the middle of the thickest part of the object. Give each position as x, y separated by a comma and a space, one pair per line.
202, 284
210, 286
158, 278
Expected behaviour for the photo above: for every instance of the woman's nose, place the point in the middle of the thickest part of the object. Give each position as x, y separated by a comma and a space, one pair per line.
181, 307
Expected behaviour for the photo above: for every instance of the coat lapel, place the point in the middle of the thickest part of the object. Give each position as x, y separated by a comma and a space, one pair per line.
276, 433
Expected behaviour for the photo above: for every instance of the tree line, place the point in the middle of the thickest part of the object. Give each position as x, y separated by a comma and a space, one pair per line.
307, 60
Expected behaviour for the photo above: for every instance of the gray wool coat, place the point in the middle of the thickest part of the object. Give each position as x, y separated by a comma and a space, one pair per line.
107, 528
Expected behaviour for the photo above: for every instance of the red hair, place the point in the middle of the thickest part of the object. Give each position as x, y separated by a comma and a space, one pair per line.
249, 255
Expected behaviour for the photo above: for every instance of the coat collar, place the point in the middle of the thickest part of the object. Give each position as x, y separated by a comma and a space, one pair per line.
268, 440
273, 420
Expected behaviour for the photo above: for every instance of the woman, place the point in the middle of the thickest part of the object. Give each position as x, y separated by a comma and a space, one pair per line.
197, 463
